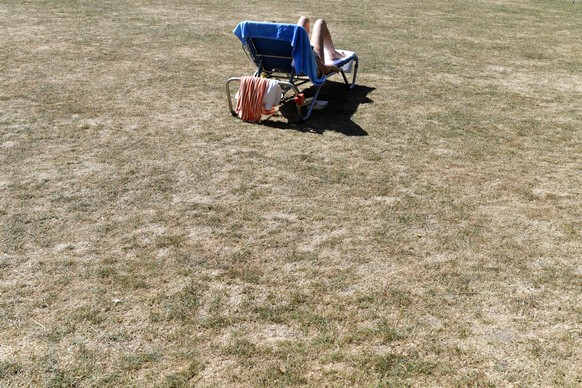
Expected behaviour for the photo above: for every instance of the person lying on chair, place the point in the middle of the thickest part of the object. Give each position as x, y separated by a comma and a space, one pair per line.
322, 44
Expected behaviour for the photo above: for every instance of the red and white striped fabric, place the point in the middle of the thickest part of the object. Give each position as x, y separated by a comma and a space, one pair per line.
250, 98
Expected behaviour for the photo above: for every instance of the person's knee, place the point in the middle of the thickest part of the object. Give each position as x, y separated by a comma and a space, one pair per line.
304, 22
320, 23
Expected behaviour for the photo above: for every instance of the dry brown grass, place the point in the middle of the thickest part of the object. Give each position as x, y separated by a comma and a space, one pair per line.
424, 230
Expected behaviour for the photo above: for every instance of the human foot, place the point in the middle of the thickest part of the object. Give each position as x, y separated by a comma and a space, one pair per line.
339, 55
334, 56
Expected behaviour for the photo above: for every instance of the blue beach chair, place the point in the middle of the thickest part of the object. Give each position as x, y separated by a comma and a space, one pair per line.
284, 52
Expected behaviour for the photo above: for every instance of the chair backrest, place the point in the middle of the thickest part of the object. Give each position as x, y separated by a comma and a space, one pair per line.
271, 54
279, 47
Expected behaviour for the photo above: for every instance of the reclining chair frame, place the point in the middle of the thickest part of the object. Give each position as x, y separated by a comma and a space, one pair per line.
288, 79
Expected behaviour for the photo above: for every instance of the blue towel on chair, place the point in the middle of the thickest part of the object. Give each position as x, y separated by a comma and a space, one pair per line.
303, 56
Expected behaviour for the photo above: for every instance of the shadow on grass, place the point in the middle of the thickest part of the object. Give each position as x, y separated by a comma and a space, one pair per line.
336, 117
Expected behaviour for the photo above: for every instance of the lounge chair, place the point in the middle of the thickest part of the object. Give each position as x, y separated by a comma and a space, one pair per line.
283, 52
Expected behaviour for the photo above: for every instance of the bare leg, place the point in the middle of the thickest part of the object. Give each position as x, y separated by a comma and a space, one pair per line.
322, 43
304, 22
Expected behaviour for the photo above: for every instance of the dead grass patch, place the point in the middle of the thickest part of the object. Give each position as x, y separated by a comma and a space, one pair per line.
424, 230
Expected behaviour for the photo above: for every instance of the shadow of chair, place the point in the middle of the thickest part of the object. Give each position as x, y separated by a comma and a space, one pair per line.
336, 117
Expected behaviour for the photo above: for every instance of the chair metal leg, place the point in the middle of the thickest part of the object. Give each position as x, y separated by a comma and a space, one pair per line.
355, 71
313, 101
228, 96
